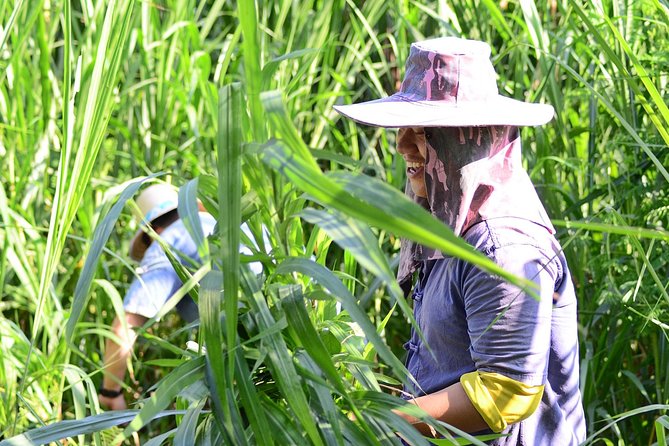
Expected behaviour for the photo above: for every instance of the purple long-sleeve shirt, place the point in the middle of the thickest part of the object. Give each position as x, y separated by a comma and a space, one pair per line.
473, 320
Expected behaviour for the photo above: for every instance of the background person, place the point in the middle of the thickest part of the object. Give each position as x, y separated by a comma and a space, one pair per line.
156, 282
498, 359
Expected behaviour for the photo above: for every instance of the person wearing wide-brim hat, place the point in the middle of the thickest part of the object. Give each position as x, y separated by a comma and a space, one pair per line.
156, 281
498, 359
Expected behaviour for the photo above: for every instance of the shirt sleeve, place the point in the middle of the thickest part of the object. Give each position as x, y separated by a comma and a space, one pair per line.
509, 329
500, 400
510, 334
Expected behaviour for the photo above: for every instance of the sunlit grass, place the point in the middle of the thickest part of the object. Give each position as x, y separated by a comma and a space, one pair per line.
95, 94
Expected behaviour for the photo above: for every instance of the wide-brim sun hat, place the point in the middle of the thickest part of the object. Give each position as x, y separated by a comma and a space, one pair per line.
154, 201
449, 82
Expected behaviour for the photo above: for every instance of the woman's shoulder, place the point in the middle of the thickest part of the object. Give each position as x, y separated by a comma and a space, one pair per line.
497, 233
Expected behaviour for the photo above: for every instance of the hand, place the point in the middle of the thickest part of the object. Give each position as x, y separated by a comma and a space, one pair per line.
116, 403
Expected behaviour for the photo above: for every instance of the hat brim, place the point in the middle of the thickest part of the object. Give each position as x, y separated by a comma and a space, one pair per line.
400, 111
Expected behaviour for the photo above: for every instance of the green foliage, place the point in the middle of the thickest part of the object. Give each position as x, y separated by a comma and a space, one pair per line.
232, 101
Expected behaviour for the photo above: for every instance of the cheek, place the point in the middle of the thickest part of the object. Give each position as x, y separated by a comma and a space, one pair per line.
422, 148
405, 142
408, 148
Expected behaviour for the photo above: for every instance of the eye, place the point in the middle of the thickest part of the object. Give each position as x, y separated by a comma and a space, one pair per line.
428, 134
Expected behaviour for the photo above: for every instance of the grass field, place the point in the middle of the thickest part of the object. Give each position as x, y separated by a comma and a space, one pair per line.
232, 102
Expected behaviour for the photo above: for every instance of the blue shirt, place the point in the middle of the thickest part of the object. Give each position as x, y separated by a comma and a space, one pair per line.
157, 280
473, 320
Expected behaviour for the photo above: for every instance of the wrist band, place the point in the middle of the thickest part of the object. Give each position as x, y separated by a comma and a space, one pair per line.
111, 393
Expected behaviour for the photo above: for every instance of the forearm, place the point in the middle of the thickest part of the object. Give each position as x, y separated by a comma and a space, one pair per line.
450, 405
117, 353
115, 365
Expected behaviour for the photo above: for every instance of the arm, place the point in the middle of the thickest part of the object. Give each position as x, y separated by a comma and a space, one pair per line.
450, 405
510, 335
116, 358
146, 294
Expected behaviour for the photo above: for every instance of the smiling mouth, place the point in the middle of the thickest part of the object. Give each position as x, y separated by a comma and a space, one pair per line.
414, 168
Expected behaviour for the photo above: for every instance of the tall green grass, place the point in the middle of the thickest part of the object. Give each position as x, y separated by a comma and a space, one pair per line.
233, 102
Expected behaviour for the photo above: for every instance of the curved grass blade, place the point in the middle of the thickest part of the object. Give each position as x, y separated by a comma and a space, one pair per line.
661, 428
166, 390
379, 204
280, 362
618, 418
359, 240
251, 402
298, 320
354, 237
319, 359
631, 231
285, 128
72, 428
330, 425
188, 212
185, 433
271, 66
160, 439
75, 379
100, 237
328, 280
283, 424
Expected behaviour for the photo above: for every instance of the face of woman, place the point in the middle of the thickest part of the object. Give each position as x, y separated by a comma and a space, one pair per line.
411, 145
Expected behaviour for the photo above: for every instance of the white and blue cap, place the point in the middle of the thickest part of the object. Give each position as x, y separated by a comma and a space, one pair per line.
154, 201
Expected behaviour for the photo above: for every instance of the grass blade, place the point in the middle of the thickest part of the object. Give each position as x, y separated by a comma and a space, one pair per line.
100, 237
185, 434
328, 280
248, 21
280, 362
298, 320
189, 213
166, 390
210, 310
398, 215
72, 428
229, 200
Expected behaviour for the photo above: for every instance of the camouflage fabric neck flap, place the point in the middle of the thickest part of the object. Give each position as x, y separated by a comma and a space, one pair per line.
472, 174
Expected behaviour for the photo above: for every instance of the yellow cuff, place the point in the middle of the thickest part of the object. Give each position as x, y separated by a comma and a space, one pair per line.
500, 400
